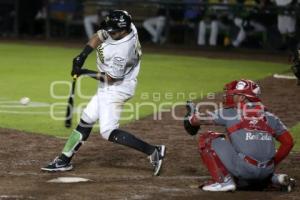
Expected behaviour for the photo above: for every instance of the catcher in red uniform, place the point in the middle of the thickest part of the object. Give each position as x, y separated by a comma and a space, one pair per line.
245, 156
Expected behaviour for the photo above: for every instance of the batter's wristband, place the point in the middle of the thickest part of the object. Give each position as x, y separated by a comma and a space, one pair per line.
86, 51
102, 76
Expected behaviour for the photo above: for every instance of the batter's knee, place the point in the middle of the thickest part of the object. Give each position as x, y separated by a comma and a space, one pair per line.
88, 119
84, 129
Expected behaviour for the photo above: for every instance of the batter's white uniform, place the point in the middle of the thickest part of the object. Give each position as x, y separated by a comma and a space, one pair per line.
120, 59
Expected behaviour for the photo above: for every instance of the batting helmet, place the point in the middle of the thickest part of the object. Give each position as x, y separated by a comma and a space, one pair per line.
248, 88
117, 20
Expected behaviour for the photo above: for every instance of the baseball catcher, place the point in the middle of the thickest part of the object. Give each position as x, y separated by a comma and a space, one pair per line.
245, 156
118, 62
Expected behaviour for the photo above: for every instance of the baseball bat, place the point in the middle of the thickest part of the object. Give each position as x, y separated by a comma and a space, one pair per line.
70, 107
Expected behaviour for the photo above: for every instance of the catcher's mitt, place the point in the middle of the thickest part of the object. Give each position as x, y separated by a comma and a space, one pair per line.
192, 130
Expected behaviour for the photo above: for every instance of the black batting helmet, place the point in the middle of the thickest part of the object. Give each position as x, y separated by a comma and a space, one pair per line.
117, 20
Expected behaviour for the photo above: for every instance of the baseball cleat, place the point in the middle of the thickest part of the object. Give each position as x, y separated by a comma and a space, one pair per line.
58, 165
156, 159
285, 182
227, 186
291, 185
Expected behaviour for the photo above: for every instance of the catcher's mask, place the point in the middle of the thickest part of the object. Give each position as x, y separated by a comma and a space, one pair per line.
117, 20
244, 87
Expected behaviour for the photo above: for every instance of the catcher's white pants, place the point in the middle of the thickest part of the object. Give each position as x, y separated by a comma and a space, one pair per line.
286, 24
155, 26
214, 30
106, 106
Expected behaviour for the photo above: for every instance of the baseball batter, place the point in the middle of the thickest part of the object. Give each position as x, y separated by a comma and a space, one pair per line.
244, 156
118, 60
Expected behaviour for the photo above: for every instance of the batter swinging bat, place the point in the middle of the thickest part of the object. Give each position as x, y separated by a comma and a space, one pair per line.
69, 113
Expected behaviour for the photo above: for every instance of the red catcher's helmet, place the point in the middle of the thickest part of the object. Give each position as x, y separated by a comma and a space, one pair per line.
248, 88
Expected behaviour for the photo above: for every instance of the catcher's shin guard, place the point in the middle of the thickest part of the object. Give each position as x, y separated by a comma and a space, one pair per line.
209, 157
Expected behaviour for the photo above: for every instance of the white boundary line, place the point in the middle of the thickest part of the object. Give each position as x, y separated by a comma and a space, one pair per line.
183, 177
281, 76
27, 112
16, 197
17, 104
146, 177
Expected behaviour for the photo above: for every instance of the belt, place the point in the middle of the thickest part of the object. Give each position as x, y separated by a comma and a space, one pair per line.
258, 164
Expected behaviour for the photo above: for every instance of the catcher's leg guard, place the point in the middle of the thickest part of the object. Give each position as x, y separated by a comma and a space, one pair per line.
209, 157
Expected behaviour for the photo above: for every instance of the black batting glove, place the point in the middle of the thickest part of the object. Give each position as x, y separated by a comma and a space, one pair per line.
78, 61
76, 71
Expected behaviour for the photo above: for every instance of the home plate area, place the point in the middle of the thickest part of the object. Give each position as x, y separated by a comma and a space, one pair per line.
69, 180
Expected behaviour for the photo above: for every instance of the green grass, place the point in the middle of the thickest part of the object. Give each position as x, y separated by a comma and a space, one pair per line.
296, 135
29, 71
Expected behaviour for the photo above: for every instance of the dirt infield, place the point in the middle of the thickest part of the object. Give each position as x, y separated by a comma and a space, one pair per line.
120, 173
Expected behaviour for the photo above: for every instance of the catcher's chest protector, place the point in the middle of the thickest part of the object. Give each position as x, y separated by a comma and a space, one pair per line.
252, 120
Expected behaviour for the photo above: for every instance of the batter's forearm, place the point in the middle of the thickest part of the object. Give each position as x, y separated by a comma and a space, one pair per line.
79, 60
86, 51
94, 42
100, 76
90, 46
